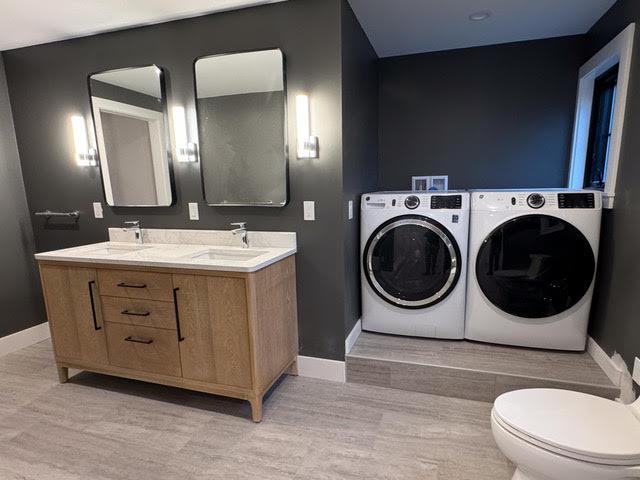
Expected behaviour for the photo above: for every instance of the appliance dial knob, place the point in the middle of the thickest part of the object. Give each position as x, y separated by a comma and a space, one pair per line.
412, 202
535, 200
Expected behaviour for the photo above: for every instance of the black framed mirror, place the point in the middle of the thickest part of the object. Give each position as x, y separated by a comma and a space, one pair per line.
130, 116
241, 103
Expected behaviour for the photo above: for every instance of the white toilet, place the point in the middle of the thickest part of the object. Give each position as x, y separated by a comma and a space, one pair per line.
561, 435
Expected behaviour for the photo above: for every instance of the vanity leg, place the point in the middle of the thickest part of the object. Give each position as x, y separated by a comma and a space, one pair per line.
63, 374
293, 368
256, 409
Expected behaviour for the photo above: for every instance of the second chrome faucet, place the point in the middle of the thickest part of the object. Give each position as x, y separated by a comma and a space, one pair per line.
241, 230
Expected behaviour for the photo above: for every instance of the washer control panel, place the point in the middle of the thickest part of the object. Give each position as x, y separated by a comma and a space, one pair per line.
415, 201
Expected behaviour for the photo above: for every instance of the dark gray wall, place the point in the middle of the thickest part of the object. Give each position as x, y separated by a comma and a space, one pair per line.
614, 315
359, 146
20, 293
242, 147
48, 84
489, 117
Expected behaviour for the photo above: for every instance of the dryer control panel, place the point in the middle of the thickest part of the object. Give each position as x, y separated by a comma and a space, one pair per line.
541, 200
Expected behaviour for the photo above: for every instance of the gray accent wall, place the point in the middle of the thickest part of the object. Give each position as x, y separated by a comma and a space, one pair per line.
20, 299
616, 306
48, 84
359, 147
489, 117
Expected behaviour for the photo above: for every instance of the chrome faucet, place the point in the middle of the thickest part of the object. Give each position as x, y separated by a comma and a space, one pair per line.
242, 229
135, 227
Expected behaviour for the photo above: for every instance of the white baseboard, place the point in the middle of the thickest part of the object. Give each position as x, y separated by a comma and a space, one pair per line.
24, 338
353, 336
322, 368
604, 361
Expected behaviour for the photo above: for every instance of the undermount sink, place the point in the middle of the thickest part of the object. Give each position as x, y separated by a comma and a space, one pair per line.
116, 249
228, 255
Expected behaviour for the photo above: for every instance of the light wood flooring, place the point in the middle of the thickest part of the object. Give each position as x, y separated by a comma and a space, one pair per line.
105, 428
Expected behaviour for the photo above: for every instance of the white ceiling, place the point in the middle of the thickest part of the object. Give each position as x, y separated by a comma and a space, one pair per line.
31, 22
400, 27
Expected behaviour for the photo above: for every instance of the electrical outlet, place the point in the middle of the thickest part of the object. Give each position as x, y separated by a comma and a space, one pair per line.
350, 209
97, 210
309, 210
636, 371
194, 214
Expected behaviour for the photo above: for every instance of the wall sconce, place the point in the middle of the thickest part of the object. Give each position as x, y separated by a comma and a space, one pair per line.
187, 152
85, 156
307, 144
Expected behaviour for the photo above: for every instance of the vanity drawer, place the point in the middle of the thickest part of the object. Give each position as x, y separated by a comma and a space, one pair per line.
138, 311
144, 349
133, 284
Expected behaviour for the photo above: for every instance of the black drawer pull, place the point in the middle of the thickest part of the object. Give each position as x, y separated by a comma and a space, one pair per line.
93, 306
135, 314
132, 285
146, 341
175, 305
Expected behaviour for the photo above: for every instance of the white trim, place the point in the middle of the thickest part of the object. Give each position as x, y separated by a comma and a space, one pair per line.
24, 338
155, 121
619, 50
353, 336
322, 368
606, 363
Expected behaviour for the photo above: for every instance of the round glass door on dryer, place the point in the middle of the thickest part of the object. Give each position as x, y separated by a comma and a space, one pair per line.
535, 266
412, 262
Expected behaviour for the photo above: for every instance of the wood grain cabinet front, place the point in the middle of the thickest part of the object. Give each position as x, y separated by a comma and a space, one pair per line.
231, 334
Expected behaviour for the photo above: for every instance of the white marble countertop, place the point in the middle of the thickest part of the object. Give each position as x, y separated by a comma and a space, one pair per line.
223, 255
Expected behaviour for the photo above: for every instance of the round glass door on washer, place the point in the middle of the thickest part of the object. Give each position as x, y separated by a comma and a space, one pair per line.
412, 261
533, 263
413, 257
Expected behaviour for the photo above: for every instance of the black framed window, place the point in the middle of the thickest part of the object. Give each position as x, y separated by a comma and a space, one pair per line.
604, 95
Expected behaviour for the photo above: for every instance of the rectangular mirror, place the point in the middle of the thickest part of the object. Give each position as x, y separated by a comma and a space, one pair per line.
241, 104
129, 114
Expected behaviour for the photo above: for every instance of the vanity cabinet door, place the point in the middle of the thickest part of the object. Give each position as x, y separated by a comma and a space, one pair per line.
214, 326
75, 318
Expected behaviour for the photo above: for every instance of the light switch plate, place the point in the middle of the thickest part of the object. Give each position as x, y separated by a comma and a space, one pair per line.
350, 209
636, 370
309, 210
97, 210
194, 214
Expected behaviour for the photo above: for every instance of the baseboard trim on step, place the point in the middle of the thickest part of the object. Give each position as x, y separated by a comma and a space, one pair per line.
604, 361
353, 336
321, 368
24, 338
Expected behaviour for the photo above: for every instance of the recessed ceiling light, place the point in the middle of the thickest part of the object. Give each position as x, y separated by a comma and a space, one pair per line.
479, 16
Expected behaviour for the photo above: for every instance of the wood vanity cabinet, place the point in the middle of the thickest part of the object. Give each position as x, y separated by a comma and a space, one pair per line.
226, 333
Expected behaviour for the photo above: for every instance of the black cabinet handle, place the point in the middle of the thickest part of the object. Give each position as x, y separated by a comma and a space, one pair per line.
93, 306
132, 285
175, 304
146, 341
135, 314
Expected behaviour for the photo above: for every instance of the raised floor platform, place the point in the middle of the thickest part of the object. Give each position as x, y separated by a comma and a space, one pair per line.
470, 370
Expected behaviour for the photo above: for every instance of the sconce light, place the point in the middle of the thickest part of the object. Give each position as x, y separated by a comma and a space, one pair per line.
185, 151
85, 156
307, 144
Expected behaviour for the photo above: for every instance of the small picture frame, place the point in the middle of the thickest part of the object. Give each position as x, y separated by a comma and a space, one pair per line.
430, 183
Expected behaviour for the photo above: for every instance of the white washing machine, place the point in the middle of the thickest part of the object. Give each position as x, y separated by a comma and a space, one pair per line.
532, 265
413, 261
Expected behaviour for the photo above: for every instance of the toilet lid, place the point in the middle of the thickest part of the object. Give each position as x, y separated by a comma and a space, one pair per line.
573, 422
